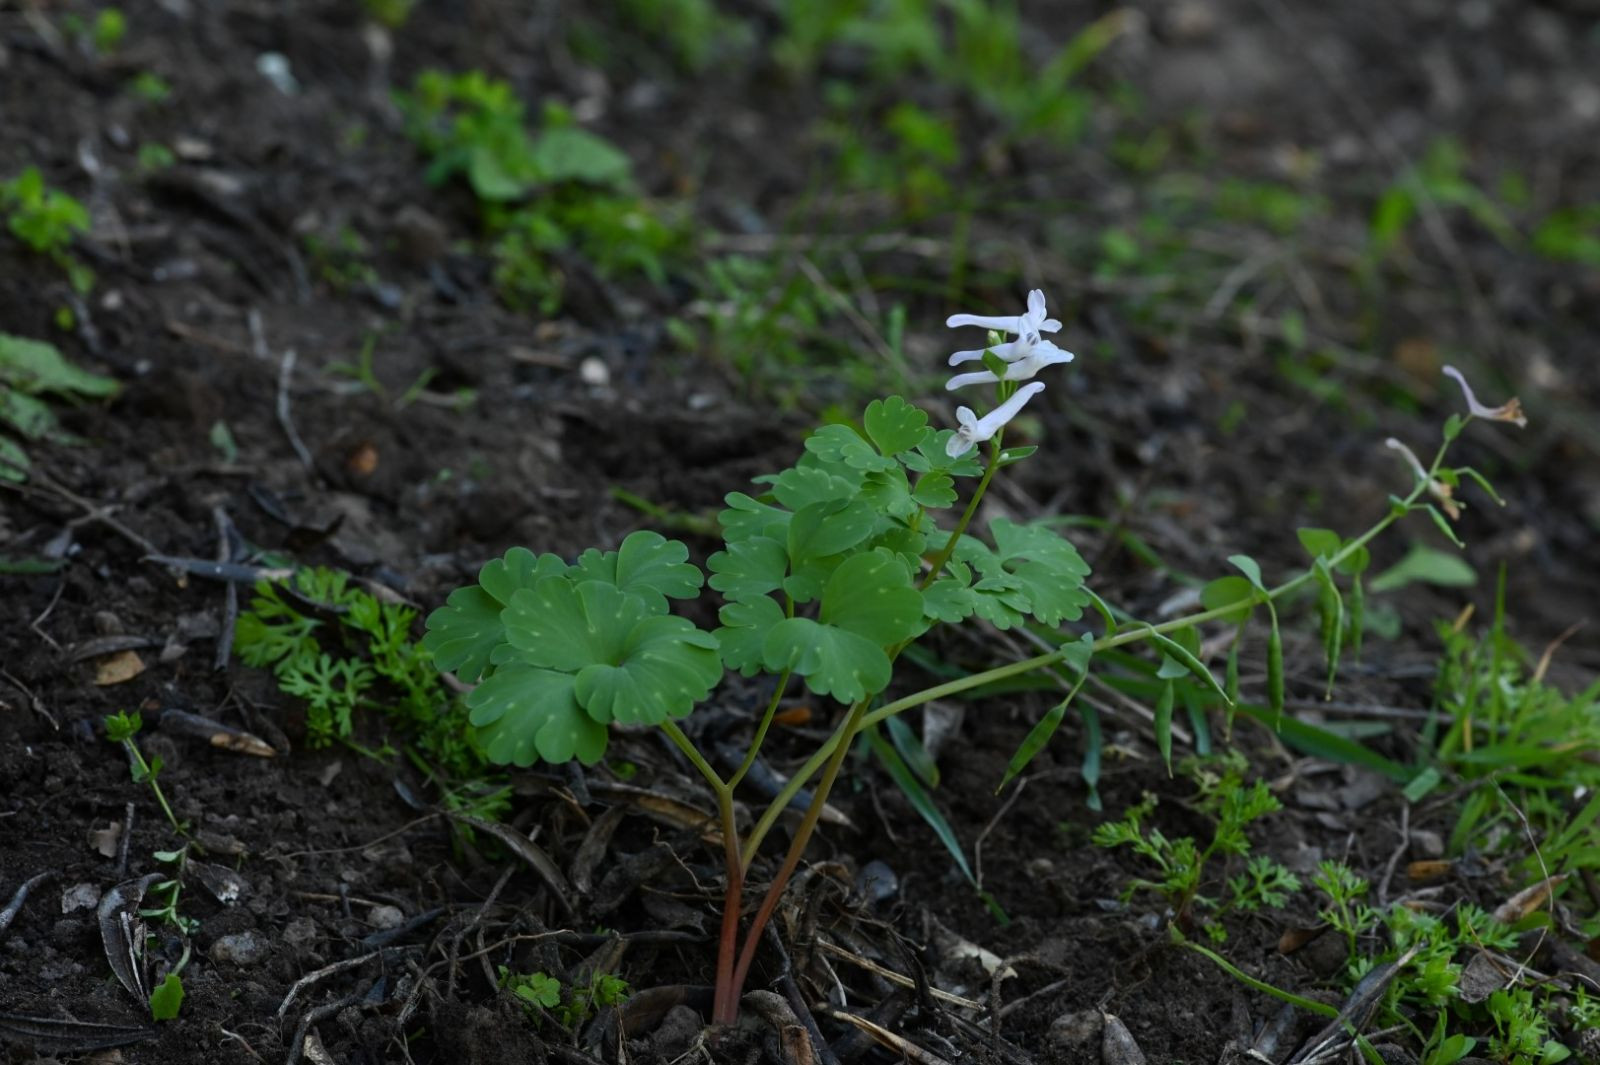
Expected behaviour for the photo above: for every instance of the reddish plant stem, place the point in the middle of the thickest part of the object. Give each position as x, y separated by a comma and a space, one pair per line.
725, 1001
797, 849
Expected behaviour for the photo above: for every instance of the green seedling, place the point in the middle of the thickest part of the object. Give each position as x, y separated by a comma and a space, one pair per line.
563, 191
1182, 863
122, 728
827, 575
46, 219
356, 653
30, 371
390, 14
166, 893
102, 36
1345, 912
150, 87
572, 1006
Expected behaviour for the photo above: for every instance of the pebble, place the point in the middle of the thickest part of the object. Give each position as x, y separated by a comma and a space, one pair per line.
1078, 1030
240, 948
299, 932
386, 917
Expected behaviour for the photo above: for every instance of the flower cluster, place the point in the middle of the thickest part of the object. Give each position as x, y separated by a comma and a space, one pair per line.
1024, 357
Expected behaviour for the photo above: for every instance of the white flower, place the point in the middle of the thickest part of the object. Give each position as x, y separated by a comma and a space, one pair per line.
975, 430
1510, 411
1025, 327
1045, 354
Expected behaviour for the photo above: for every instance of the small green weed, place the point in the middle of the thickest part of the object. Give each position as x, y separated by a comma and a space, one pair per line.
102, 36
150, 87
29, 371
561, 191
341, 259
571, 1006
1527, 741
370, 662
45, 219
121, 728
1182, 863
391, 14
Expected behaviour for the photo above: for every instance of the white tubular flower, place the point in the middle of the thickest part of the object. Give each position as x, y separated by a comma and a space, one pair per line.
975, 430
1045, 354
1509, 411
1025, 327
1440, 491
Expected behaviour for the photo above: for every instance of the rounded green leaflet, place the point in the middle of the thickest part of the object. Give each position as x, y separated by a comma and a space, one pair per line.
833, 661
647, 565
525, 713
872, 596
868, 604
561, 625
464, 633
749, 568
840, 443
630, 666
667, 666
895, 425
744, 631
518, 568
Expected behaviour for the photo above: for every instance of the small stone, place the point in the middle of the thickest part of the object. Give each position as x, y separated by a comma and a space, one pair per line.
1078, 1030
384, 918
80, 897
1426, 843
241, 948
299, 932
594, 371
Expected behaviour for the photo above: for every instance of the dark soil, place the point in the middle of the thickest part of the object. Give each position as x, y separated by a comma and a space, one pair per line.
350, 873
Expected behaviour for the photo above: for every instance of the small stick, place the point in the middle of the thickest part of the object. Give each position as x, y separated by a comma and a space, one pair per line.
14, 907
127, 839
321, 974
230, 591
285, 419
34, 702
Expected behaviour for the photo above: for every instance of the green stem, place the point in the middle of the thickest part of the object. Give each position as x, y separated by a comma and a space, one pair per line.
761, 732
691, 752
967, 515
150, 778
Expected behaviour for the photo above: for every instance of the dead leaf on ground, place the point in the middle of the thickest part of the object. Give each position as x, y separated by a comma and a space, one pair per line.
118, 668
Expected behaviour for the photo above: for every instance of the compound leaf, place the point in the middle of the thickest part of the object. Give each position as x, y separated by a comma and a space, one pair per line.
518, 568
934, 490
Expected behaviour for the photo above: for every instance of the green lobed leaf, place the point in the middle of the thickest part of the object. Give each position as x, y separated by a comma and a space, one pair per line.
801, 486
744, 633
868, 603
666, 667
646, 564
566, 153
950, 598
934, 490
167, 999
895, 425
463, 634
1032, 568
930, 456
749, 568
824, 529
840, 443
746, 516
524, 713
631, 666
